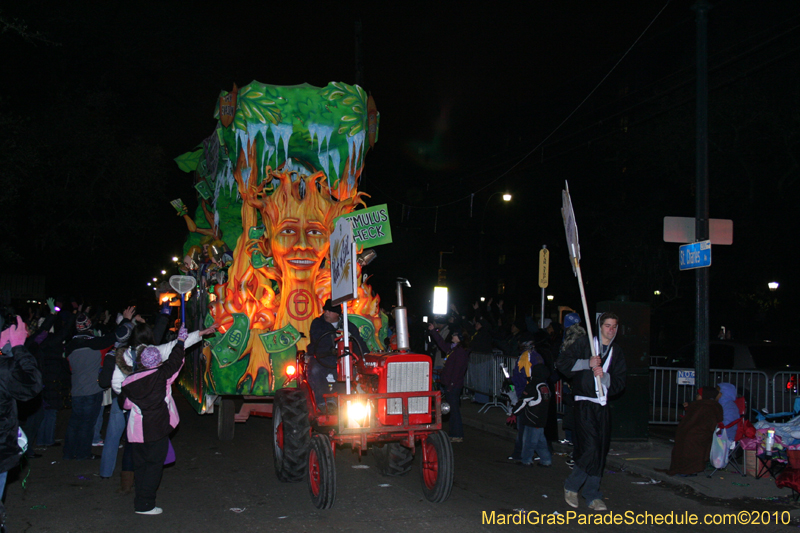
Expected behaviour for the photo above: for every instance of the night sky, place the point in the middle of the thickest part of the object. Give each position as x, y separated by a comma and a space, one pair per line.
474, 100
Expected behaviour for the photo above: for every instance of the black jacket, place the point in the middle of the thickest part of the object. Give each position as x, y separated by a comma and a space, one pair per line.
20, 380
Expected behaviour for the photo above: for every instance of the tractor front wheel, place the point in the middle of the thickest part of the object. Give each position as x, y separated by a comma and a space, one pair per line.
321, 472
393, 459
291, 434
437, 467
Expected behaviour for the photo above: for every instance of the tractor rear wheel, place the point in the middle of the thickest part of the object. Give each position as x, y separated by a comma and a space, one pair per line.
437, 467
226, 419
393, 459
291, 434
321, 472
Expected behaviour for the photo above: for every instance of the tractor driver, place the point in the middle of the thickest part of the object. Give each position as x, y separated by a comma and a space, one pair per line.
322, 364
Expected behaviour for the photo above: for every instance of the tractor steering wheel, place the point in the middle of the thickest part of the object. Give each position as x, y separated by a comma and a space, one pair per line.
319, 357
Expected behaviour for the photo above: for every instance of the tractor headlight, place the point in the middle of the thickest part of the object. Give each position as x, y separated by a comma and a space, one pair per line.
445, 408
357, 413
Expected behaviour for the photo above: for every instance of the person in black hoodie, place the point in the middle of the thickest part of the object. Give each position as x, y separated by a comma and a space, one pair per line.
20, 380
55, 371
48, 350
592, 412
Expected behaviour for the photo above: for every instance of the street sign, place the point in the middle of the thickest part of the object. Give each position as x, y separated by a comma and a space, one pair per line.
544, 267
685, 377
681, 229
695, 255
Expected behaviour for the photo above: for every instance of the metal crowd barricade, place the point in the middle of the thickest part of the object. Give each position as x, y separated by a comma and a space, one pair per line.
484, 376
667, 396
785, 387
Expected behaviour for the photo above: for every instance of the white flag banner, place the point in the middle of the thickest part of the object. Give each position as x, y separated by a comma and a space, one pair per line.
571, 228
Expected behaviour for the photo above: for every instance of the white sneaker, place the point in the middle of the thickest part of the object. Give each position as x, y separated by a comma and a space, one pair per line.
598, 505
154, 510
100, 443
571, 498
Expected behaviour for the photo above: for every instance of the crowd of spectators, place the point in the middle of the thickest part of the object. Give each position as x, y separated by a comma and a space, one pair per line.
75, 350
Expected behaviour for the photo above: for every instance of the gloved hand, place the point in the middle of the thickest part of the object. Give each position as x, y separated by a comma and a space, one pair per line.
18, 333
511, 420
183, 333
51, 303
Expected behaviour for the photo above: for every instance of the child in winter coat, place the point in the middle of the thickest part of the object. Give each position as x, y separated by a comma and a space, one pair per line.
147, 392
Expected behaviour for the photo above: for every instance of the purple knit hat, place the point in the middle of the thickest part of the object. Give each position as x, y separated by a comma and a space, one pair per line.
150, 357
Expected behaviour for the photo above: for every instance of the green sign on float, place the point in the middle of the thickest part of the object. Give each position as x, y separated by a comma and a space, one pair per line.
370, 226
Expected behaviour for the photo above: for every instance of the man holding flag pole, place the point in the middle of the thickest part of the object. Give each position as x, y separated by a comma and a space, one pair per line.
596, 369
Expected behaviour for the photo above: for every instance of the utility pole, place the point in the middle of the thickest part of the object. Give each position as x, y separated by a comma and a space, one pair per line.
701, 195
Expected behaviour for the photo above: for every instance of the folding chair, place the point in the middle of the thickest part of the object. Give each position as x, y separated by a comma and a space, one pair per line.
786, 415
735, 444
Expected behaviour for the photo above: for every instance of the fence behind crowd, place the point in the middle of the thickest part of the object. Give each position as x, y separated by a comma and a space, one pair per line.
485, 377
671, 387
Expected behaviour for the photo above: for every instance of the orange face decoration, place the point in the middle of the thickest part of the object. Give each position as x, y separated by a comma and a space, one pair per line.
300, 215
299, 244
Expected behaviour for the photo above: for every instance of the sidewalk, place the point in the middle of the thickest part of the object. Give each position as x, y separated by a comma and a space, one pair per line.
641, 457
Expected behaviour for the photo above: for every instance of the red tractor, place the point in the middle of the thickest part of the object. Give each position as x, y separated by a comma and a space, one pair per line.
391, 408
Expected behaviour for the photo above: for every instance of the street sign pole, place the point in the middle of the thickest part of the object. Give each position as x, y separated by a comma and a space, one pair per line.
544, 276
701, 193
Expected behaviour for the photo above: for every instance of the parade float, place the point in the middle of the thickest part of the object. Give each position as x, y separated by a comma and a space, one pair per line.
280, 171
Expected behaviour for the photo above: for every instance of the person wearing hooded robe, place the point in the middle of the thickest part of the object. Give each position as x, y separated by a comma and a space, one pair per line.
730, 411
592, 414
694, 435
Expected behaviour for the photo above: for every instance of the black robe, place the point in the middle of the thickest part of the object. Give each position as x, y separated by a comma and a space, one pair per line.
592, 420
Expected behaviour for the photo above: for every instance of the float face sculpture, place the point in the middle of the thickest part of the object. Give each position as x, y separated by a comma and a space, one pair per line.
281, 165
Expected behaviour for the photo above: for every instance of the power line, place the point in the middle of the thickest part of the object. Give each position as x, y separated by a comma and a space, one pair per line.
535, 148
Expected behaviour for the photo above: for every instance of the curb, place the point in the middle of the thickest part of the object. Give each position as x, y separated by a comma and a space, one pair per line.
615, 462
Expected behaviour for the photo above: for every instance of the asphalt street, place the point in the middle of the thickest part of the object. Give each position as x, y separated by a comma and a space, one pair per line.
231, 486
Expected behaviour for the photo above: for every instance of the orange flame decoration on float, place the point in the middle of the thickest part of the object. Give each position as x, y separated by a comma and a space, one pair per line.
298, 211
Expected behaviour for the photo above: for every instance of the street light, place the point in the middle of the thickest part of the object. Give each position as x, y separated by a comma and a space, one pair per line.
773, 285
506, 198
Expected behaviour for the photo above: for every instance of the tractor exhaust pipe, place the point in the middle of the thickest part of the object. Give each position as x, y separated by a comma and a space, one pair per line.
401, 318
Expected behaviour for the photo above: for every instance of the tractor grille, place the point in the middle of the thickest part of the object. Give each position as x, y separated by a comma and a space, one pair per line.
408, 377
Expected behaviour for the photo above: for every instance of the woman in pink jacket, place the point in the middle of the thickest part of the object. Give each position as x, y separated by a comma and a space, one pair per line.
147, 392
